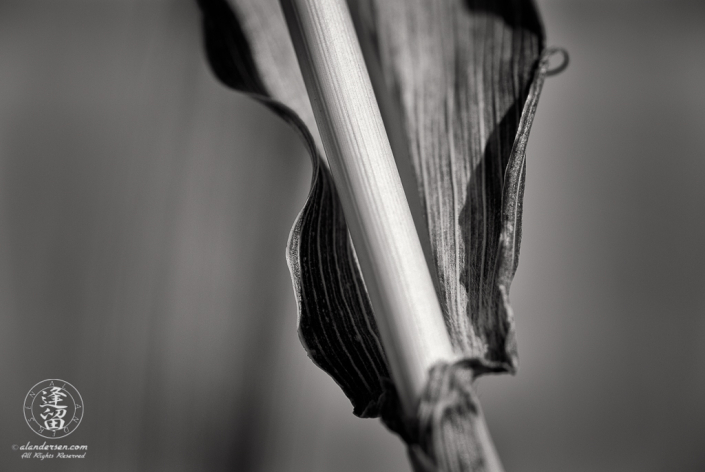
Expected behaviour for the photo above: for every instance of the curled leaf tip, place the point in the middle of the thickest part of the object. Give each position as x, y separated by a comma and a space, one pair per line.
562, 65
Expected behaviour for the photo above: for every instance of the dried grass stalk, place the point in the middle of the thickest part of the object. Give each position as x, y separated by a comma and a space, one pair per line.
398, 281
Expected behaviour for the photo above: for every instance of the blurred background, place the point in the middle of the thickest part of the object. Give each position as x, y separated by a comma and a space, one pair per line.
144, 212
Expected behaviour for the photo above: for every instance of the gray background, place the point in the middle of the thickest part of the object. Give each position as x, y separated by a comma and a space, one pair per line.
144, 211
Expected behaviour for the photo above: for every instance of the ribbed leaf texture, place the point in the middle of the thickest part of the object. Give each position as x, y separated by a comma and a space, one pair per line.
464, 78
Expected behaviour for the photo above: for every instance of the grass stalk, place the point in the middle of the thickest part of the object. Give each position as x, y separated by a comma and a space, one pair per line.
357, 148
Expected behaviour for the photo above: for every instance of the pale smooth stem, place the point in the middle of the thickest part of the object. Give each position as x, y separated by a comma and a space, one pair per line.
397, 278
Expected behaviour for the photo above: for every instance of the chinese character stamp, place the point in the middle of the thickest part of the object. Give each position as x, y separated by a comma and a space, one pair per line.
53, 408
